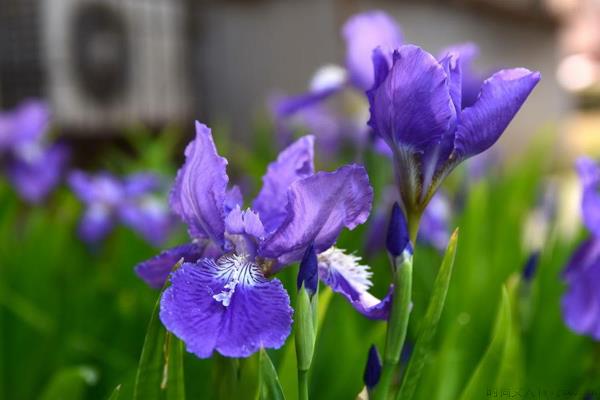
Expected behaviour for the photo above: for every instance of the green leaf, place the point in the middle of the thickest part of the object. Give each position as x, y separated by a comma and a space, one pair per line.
69, 383
116, 393
269, 387
429, 325
491, 368
160, 370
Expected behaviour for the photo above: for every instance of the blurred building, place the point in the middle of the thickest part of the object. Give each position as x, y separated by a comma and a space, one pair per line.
107, 63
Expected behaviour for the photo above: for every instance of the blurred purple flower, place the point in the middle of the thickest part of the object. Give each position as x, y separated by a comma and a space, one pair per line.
33, 167
434, 229
581, 301
416, 107
132, 201
220, 298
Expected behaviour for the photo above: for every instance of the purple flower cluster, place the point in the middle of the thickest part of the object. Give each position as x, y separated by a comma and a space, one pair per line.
223, 297
33, 166
133, 201
581, 301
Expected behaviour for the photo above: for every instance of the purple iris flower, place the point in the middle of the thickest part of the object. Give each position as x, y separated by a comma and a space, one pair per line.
33, 166
416, 109
581, 301
222, 297
132, 201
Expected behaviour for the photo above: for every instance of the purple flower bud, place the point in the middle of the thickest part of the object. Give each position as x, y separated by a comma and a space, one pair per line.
309, 271
530, 267
372, 369
397, 235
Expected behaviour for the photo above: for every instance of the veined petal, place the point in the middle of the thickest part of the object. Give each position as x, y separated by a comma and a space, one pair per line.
198, 195
412, 107
500, 98
293, 163
319, 207
226, 305
346, 276
363, 33
156, 270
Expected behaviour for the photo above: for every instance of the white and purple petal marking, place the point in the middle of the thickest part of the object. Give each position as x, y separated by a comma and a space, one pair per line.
347, 276
226, 305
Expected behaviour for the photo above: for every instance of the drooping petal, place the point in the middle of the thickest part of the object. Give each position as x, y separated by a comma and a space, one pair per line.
36, 175
198, 195
363, 33
226, 305
156, 270
319, 207
327, 81
293, 163
501, 96
346, 276
412, 107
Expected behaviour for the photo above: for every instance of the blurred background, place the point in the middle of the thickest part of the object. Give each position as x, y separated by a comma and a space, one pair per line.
105, 64
124, 80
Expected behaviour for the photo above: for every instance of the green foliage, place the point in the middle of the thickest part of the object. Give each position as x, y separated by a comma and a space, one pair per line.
66, 308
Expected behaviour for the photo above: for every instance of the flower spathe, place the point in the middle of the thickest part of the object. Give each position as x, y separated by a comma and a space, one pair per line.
416, 108
223, 298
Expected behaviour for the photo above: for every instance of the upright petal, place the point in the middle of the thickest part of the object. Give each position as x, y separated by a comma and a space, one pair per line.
363, 33
32, 121
156, 270
319, 207
226, 305
198, 195
233, 198
293, 163
500, 98
471, 80
412, 107
346, 276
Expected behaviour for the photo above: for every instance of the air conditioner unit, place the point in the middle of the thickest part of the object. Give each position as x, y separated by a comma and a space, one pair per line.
110, 63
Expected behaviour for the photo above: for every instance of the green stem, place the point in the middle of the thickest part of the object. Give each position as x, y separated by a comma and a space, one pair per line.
396, 328
413, 221
302, 385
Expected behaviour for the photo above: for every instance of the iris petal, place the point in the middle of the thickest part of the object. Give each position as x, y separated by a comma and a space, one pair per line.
501, 96
198, 195
156, 270
293, 163
226, 305
319, 207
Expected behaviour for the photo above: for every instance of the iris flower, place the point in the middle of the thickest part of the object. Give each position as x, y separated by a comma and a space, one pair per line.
416, 108
223, 297
132, 201
33, 166
581, 301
